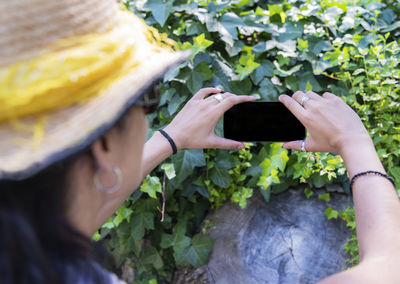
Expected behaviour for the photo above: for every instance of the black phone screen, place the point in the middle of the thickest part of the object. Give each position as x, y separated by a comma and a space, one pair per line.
262, 122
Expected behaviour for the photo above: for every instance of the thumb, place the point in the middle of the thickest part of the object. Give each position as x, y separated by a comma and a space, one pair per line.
223, 143
296, 145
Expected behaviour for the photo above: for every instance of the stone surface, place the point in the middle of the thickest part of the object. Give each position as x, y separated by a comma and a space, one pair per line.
288, 240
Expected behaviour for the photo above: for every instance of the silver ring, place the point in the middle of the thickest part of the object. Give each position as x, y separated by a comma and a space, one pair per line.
304, 100
303, 146
219, 98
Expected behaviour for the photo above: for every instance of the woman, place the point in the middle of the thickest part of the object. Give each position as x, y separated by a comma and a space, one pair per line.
76, 82
72, 136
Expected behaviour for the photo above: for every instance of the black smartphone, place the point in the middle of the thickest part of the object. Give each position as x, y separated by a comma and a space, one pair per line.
262, 122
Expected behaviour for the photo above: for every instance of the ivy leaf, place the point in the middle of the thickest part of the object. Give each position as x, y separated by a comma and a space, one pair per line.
185, 161
199, 74
280, 159
266, 193
235, 48
190, 188
308, 86
267, 90
302, 45
225, 160
391, 27
194, 28
230, 21
220, 177
169, 170
241, 87
395, 171
284, 73
197, 253
160, 10
145, 205
316, 45
224, 72
125, 243
331, 213
266, 166
151, 185
269, 173
226, 27
246, 66
140, 222
308, 78
290, 31
200, 44
121, 214
266, 69
152, 257
308, 192
325, 197
318, 180
174, 104
277, 10
177, 240
167, 94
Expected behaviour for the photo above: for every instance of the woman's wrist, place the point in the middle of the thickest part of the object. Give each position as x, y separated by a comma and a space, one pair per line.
360, 155
175, 136
163, 144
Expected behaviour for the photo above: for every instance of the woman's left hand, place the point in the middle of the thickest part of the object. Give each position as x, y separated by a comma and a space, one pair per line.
193, 127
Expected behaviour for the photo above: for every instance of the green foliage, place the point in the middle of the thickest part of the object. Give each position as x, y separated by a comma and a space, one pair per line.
331, 213
351, 246
151, 185
349, 48
325, 197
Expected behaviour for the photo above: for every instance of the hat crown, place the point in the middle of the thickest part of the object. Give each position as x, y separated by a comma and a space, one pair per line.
26, 26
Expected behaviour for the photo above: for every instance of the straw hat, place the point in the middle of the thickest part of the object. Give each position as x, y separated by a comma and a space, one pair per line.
68, 70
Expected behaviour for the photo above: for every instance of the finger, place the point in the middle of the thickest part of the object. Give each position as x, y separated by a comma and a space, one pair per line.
298, 96
233, 100
314, 96
227, 144
293, 145
309, 146
328, 95
204, 92
212, 99
294, 107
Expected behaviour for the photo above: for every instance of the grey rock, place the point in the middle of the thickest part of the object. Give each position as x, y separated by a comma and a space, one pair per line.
288, 240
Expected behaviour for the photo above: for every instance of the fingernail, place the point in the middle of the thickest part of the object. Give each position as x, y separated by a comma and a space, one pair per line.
241, 146
255, 96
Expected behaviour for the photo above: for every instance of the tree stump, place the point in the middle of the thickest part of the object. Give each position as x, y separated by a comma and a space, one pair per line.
288, 240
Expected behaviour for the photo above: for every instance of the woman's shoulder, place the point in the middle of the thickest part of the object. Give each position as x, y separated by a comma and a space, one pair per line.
94, 273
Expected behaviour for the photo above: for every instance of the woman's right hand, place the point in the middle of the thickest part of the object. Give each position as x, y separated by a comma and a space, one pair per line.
330, 122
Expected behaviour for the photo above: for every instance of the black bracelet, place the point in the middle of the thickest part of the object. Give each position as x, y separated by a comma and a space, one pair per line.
173, 145
370, 173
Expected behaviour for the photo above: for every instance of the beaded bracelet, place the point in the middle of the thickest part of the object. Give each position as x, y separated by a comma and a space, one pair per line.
370, 173
173, 145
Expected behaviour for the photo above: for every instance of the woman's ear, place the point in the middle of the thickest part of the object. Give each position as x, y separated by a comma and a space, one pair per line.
100, 152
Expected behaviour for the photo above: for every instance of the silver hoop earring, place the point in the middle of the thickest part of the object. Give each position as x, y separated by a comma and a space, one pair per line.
112, 189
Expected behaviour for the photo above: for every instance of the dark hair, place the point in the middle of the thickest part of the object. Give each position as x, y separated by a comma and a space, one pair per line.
37, 243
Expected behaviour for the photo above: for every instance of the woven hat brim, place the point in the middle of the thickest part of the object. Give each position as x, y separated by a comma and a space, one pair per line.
74, 128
